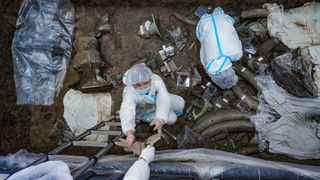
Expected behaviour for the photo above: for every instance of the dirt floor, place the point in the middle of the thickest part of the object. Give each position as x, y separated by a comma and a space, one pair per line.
40, 128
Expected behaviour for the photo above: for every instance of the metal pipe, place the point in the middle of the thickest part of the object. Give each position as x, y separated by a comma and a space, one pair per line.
60, 148
169, 134
88, 131
95, 158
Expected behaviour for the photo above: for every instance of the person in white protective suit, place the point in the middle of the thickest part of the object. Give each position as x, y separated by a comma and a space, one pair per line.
220, 46
146, 98
140, 169
50, 170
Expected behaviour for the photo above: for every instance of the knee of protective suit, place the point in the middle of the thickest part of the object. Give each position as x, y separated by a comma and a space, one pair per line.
177, 104
172, 118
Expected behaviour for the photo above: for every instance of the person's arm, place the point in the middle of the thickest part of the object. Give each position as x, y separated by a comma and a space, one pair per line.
140, 169
128, 114
163, 103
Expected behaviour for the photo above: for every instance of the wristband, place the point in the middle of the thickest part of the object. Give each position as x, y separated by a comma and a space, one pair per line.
143, 159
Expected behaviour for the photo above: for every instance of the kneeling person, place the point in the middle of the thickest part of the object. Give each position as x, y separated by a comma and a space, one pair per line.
146, 98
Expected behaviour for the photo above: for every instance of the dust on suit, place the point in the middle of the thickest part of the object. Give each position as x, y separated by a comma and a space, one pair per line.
157, 103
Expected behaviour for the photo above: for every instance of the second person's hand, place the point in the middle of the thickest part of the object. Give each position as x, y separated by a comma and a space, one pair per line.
157, 123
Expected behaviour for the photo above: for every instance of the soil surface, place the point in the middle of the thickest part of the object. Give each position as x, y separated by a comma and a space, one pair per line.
40, 128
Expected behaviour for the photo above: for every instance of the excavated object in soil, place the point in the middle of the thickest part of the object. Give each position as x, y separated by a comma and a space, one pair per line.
232, 126
220, 116
289, 72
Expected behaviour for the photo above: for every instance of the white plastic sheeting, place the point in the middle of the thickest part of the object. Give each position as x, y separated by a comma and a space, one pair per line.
50, 170
20, 159
283, 102
313, 53
211, 164
294, 134
83, 111
41, 49
298, 27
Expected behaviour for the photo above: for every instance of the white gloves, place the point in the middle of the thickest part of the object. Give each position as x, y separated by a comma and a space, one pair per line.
147, 154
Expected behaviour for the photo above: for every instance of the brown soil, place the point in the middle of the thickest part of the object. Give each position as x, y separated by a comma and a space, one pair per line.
40, 128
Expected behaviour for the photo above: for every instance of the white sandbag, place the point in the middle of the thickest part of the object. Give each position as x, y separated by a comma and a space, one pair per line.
83, 111
294, 136
298, 27
220, 44
283, 102
313, 53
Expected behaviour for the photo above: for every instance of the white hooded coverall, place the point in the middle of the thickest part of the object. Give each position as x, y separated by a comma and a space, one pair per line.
220, 46
158, 103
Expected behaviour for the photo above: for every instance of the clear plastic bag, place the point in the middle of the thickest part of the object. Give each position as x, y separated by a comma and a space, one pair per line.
189, 139
246, 36
41, 49
20, 159
178, 37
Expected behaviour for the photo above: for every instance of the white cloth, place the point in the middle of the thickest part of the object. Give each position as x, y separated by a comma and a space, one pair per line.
140, 169
50, 170
294, 136
298, 27
82, 111
157, 103
218, 37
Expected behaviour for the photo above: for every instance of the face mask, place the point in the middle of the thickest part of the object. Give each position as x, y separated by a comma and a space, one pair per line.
144, 91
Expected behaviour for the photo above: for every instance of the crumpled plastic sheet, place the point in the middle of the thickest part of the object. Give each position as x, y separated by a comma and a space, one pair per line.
246, 36
283, 102
293, 135
178, 37
208, 164
291, 73
20, 159
188, 139
277, 107
41, 49
313, 53
297, 27
264, 116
